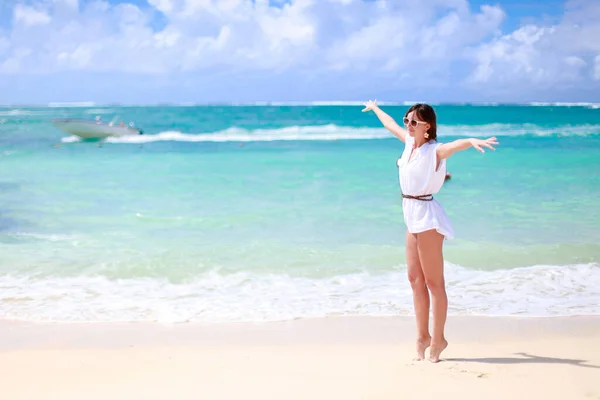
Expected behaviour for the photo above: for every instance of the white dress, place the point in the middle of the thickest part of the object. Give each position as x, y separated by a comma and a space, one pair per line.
418, 176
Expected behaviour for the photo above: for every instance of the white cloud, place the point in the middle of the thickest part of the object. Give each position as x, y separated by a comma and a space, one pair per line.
412, 40
4, 45
290, 26
15, 63
73, 4
542, 56
29, 16
199, 34
384, 43
164, 6
79, 58
167, 38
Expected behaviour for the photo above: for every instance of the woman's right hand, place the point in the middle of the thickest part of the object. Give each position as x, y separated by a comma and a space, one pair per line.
370, 105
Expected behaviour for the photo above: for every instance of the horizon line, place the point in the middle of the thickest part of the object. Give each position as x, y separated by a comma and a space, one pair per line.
87, 104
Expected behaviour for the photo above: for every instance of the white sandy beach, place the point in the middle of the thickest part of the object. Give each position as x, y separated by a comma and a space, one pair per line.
332, 358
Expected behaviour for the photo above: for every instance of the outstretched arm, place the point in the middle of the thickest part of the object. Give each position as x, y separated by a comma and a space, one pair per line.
447, 149
387, 121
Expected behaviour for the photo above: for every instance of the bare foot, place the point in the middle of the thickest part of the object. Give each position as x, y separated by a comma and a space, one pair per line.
422, 345
436, 350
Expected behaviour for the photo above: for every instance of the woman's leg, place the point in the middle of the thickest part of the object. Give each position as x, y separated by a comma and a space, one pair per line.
429, 244
420, 294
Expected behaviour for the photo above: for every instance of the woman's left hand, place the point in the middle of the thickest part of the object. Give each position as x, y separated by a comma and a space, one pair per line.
480, 143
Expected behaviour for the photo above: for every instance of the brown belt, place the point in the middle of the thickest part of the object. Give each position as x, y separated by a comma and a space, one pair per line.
423, 197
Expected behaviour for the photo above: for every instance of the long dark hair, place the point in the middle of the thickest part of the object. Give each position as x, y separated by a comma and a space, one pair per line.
425, 113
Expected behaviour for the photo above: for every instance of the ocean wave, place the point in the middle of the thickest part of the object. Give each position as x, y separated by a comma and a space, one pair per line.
41, 236
97, 111
69, 104
19, 112
499, 129
333, 132
319, 132
16, 112
563, 104
536, 291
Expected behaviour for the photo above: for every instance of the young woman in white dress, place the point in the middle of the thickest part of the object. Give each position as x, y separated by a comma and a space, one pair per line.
422, 171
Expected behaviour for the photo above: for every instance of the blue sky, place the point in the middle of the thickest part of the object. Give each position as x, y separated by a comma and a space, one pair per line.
202, 51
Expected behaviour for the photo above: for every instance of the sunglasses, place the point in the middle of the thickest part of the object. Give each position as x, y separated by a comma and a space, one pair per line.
412, 122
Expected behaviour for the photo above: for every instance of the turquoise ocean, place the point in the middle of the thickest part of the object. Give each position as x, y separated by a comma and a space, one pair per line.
271, 212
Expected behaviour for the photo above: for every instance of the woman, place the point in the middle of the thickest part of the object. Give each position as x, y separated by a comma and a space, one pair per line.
422, 174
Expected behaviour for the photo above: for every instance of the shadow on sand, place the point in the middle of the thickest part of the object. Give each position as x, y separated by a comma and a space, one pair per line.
525, 359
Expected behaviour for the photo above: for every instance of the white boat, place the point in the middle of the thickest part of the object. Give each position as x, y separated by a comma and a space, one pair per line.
86, 129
